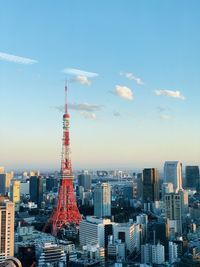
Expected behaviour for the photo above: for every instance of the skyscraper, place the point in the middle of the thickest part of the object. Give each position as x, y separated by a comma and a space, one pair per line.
6, 228
150, 185
139, 185
142, 220
184, 203
9, 177
167, 188
15, 191
51, 183
102, 200
173, 209
192, 177
36, 189
2, 184
5, 179
84, 179
127, 190
173, 174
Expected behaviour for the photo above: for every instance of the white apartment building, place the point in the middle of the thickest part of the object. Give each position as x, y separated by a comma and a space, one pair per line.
152, 254
92, 231
7, 217
173, 252
158, 254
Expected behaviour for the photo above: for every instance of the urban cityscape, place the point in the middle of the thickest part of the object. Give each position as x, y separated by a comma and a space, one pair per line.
86, 179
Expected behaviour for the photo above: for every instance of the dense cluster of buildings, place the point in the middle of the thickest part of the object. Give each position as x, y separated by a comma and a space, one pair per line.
135, 219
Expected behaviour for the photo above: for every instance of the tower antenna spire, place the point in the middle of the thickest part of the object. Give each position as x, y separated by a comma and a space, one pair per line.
66, 104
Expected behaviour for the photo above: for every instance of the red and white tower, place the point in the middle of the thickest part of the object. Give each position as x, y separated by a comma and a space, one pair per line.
66, 211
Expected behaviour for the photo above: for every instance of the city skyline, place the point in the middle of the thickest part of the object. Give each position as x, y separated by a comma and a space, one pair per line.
132, 75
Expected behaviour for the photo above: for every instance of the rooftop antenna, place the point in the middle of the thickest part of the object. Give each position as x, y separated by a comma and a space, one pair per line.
66, 105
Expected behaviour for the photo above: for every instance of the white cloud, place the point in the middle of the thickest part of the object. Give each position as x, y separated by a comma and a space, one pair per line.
88, 115
17, 59
81, 107
78, 72
82, 80
132, 77
81, 76
124, 92
170, 93
165, 117
86, 110
85, 107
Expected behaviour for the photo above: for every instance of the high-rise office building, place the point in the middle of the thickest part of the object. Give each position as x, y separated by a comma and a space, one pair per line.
98, 231
102, 200
25, 188
51, 183
7, 217
85, 180
142, 220
3, 184
151, 186
15, 191
5, 179
167, 188
184, 202
127, 190
173, 174
139, 185
9, 177
36, 189
128, 233
192, 177
173, 210
95, 231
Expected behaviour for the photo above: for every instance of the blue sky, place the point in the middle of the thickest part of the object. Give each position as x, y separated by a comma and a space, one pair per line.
143, 105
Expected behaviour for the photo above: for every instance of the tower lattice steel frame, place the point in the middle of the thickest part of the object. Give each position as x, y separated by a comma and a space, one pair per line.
66, 211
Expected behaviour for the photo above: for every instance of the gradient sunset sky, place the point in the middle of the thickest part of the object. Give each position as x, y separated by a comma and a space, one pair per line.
133, 71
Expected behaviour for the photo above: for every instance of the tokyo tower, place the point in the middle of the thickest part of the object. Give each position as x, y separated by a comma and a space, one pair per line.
66, 211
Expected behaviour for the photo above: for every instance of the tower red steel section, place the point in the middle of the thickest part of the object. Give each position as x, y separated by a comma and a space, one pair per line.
66, 211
